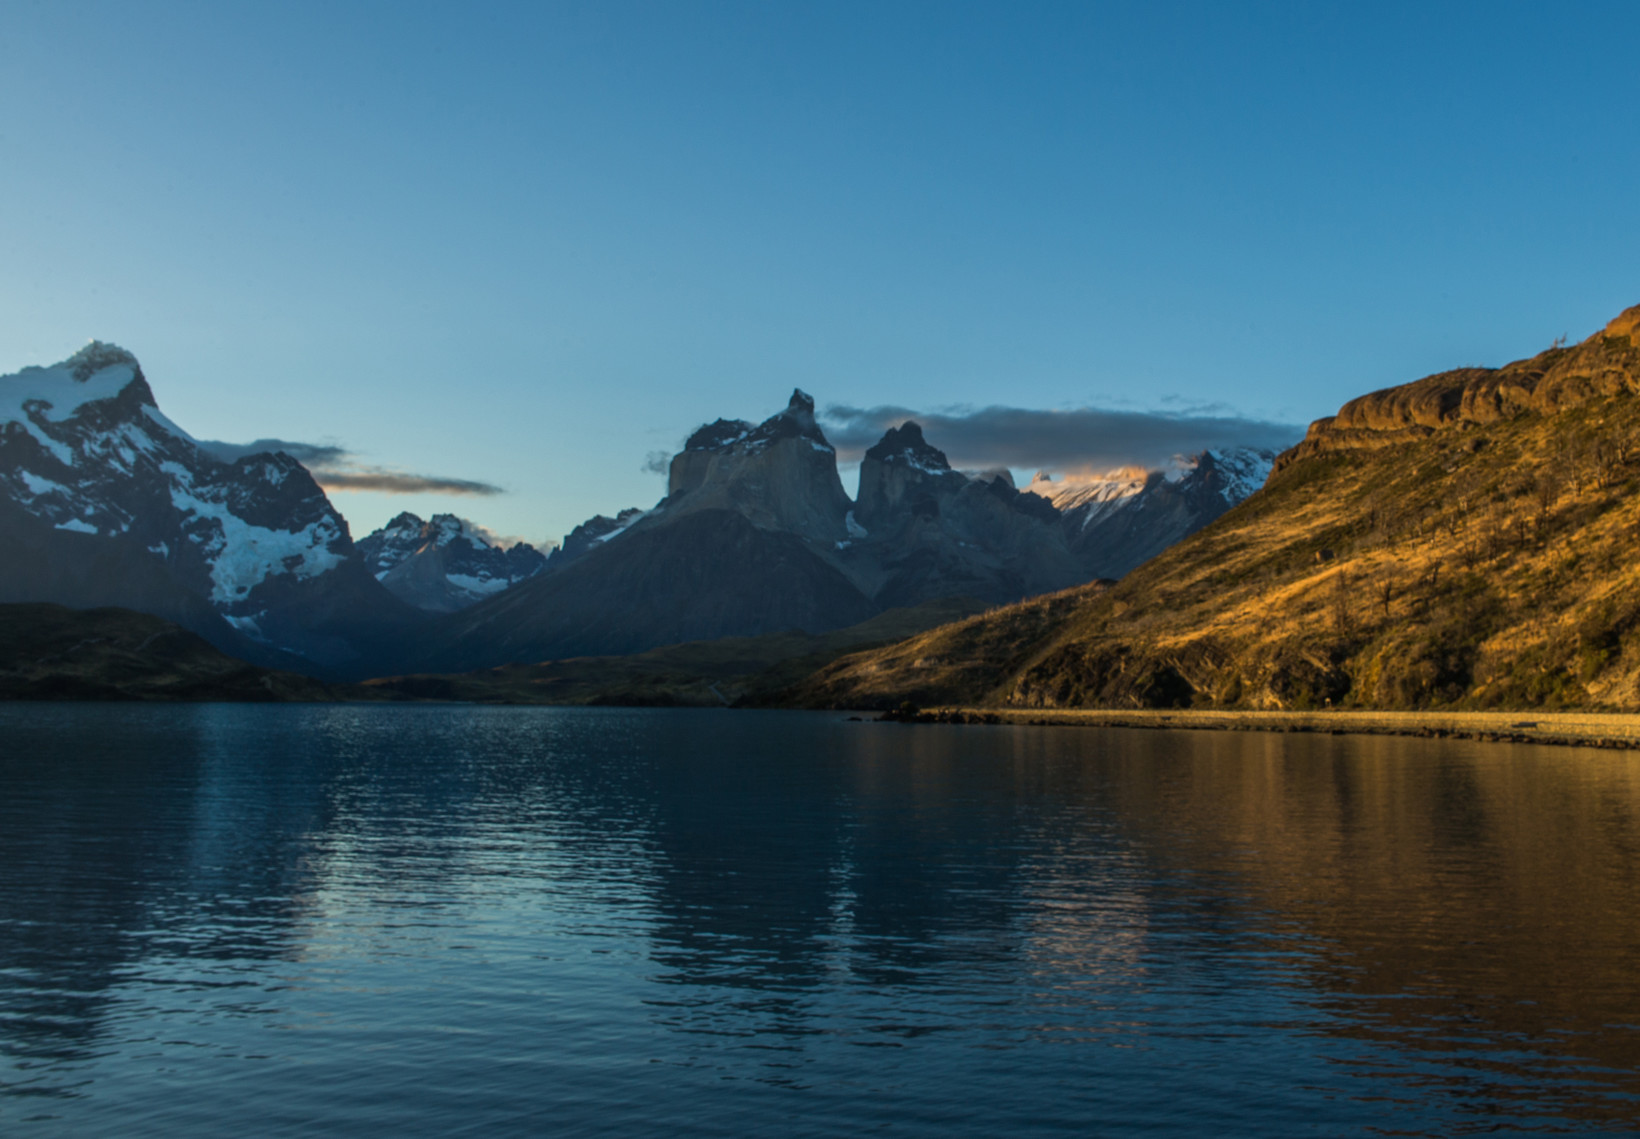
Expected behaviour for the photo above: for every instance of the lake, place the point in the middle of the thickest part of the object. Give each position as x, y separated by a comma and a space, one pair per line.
436, 920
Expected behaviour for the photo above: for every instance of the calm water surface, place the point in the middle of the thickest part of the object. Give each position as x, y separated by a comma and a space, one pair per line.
448, 920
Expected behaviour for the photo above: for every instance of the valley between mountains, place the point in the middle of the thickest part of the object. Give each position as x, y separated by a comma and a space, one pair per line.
1465, 541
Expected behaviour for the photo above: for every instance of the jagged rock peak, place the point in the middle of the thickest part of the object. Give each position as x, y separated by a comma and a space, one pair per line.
796, 421
801, 406
717, 435
96, 356
408, 534
445, 563
595, 531
905, 445
405, 521
446, 528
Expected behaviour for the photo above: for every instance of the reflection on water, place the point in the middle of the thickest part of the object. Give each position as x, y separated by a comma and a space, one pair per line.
429, 920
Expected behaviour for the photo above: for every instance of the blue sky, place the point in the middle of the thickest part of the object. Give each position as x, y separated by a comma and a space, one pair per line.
529, 245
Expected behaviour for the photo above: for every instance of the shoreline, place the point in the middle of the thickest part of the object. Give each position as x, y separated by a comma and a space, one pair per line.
1611, 730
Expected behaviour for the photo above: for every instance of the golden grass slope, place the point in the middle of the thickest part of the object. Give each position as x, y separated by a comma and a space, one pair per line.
1471, 540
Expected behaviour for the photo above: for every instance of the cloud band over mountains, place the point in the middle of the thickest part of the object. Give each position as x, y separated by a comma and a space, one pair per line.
377, 480
333, 468
1077, 439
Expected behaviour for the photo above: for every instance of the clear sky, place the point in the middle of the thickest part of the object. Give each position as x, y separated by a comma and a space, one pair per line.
529, 245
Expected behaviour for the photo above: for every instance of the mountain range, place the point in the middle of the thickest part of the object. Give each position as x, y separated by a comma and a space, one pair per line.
106, 501
756, 535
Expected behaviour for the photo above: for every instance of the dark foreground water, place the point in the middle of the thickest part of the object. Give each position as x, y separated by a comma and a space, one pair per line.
445, 920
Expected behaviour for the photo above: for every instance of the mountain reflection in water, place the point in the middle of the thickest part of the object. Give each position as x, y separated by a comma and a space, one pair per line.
432, 919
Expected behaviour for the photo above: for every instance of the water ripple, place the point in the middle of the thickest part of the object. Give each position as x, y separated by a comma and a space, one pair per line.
448, 920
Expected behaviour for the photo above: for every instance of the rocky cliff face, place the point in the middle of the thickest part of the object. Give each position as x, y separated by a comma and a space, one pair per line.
780, 475
107, 502
922, 530
1560, 379
902, 476
443, 565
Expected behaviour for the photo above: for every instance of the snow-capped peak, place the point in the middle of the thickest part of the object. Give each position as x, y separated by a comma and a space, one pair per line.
446, 562
84, 448
1092, 496
447, 528
37, 396
96, 356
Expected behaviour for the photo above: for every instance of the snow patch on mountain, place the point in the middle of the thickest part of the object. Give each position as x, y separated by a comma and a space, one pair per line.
472, 583
624, 521
54, 394
1242, 471
242, 556
445, 563
1090, 497
1117, 519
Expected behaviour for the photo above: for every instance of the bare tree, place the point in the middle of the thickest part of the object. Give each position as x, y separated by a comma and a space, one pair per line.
1343, 621
1546, 492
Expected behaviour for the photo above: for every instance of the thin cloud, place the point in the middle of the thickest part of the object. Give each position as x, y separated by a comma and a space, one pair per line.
334, 468
1078, 439
376, 480
310, 455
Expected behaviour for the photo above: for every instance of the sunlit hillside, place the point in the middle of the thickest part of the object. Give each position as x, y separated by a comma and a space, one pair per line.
1468, 540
